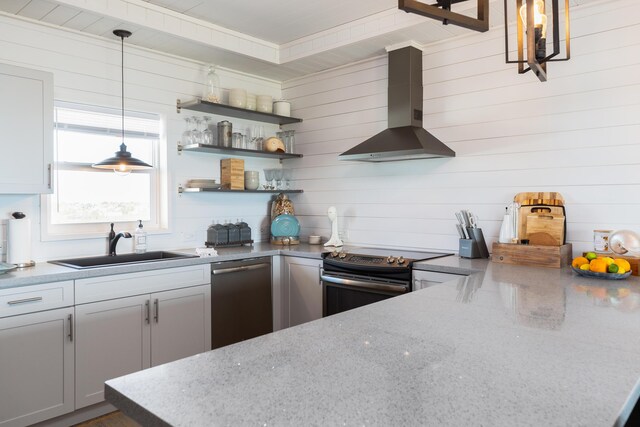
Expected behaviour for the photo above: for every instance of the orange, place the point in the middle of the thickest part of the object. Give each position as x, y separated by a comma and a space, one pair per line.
577, 262
598, 265
622, 263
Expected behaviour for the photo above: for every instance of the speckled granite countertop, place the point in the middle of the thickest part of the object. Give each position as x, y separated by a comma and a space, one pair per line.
43, 272
505, 346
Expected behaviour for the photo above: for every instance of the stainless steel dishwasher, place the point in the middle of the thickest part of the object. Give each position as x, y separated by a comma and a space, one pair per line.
241, 302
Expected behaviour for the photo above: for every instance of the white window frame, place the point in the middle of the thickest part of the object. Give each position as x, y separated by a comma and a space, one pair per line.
158, 223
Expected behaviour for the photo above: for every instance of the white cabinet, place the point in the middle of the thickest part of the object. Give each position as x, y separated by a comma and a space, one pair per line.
26, 128
112, 339
36, 367
119, 336
302, 285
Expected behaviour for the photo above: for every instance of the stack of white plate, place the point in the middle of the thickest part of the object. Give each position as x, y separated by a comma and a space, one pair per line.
202, 183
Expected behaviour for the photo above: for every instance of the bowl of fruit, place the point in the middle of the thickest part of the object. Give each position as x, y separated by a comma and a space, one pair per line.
601, 267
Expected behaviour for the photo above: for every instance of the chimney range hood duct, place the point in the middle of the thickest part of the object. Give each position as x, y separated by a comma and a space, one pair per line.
405, 139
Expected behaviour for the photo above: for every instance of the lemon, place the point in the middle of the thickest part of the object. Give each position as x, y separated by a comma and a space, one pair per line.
577, 262
621, 270
608, 260
585, 267
612, 268
591, 256
623, 263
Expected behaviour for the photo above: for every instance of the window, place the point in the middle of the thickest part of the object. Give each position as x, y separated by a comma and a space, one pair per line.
85, 200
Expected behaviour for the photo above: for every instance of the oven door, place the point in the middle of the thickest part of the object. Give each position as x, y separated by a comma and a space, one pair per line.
342, 292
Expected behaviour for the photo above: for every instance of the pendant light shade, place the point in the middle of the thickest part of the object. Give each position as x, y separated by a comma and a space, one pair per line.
532, 20
122, 162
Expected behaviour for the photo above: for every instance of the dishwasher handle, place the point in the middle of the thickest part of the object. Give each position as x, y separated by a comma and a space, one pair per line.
400, 289
242, 268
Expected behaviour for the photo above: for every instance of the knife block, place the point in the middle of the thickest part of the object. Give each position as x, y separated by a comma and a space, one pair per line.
474, 247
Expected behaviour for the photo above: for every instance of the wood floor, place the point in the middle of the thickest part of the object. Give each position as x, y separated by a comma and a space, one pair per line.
114, 419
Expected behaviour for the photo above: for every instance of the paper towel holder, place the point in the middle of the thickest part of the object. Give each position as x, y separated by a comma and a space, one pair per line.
23, 264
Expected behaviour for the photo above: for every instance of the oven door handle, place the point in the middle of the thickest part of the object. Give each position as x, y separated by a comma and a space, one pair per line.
362, 284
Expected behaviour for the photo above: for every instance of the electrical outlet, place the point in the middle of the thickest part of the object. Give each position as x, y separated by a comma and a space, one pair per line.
187, 237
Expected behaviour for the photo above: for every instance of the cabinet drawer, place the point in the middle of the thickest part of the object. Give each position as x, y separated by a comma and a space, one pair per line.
29, 299
144, 282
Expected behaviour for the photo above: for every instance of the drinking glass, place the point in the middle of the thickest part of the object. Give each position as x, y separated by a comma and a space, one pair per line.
258, 136
268, 176
186, 135
290, 141
278, 175
207, 134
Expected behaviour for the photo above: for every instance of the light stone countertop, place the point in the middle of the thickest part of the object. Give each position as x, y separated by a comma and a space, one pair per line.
505, 346
44, 272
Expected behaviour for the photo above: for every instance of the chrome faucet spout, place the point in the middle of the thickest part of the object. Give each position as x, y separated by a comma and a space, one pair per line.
114, 241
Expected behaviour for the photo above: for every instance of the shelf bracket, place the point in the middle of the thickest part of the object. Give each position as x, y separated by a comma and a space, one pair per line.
178, 106
179, 149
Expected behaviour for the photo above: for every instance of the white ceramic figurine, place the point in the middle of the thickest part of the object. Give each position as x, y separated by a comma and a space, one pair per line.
333, 217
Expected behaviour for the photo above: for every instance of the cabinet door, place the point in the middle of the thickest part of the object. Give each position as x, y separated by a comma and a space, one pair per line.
36, 367
302, 277
26, 126
112, 339
181, 323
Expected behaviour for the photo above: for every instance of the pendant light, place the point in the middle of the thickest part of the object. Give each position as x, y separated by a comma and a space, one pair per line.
122, 163
531, 30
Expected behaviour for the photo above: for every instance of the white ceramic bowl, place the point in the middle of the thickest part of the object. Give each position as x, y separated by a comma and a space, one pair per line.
315, 240
264, 103
238, 98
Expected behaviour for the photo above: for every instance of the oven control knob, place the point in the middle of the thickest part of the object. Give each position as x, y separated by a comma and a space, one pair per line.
401, 260
390, 260
342, 255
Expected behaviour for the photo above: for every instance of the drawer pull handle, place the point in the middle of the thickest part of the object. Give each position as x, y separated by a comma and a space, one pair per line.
156, 305
24, 301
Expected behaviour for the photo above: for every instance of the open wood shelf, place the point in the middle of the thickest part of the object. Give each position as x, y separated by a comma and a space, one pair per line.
214, 149
229, 111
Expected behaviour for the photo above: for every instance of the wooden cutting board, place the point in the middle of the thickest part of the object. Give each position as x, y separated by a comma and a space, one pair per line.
541, 225
545, 229
530, 198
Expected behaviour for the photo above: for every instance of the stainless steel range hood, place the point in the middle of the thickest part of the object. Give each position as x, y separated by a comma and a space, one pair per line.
405, 139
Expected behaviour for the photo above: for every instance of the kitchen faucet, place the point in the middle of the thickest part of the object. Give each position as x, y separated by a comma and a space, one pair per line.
113, 239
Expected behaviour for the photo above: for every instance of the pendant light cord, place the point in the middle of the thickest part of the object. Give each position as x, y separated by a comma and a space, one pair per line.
122, 80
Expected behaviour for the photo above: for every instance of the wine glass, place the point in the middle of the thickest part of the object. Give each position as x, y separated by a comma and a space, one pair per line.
268, 176
196, 132
207, 134
286, 176
186, 135
278, 175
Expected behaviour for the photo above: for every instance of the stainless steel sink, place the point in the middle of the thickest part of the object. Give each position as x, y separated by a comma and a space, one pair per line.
107, 260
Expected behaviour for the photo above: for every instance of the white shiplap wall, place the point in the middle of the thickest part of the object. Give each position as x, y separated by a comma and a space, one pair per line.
578, 134
87, 70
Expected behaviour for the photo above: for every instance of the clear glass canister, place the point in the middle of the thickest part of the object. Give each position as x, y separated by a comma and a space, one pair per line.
601, 240
212, 86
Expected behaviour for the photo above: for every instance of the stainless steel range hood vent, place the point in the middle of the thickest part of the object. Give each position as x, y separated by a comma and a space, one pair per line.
405, 139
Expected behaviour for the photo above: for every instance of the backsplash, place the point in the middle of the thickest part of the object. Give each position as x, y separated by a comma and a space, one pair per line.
576, 134
87, 70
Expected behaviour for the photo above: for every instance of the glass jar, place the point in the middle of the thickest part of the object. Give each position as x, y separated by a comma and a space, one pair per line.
212, 86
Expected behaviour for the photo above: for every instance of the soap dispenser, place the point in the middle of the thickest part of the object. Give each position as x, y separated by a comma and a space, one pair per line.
139, 239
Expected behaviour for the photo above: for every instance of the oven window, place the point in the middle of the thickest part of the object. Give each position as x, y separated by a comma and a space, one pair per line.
338, 299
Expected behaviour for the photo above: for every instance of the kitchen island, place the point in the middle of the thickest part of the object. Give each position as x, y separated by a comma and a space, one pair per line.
505, 346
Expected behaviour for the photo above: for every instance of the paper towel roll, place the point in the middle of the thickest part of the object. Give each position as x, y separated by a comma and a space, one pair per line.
19, 241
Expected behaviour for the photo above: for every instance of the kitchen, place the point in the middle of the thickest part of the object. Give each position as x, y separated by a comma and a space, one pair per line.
574, 134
